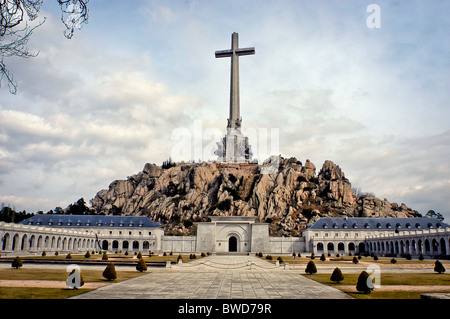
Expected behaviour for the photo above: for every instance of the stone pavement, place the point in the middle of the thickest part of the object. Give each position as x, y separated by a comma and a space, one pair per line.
219, 277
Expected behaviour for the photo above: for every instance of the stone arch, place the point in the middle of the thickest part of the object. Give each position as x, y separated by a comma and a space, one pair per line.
319, 246
443, 246
146, 245
232, 244
32, 242
435, 246
125, 244
341, 247
105, 245
15, 242
115, 244
24, 244
135, 245
330, 247
5, 241
351, 246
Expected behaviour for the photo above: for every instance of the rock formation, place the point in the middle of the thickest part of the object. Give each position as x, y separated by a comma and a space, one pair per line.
288, 195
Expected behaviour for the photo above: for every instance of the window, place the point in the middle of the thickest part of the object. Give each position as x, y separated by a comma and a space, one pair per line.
130, 232
316, 234
326, 234
120, 232
346, 234
149, 232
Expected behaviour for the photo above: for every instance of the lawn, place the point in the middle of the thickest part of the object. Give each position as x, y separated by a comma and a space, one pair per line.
89, 275
408, 280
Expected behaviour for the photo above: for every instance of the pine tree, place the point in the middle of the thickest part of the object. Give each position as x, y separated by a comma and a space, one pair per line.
141, 265
110, 272
311, 268
337, 275
439, 267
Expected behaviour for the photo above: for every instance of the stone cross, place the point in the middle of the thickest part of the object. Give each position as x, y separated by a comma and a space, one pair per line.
234, 121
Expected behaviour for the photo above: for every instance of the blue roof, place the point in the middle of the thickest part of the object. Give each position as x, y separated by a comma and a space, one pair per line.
381, 223
89, 221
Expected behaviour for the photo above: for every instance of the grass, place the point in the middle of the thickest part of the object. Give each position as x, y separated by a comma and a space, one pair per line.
405, 279
89, 275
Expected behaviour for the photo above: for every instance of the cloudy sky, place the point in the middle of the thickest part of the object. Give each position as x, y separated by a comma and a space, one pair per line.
140, 79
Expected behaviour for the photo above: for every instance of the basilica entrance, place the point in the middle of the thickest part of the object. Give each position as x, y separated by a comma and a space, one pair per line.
232, 244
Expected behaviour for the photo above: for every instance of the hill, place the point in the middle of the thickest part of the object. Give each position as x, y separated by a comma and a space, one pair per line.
283, 192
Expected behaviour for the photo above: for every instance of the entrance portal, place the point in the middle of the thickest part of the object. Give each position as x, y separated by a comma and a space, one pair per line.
232, 244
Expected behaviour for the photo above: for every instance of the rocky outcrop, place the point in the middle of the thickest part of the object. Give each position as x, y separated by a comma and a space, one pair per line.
283, 192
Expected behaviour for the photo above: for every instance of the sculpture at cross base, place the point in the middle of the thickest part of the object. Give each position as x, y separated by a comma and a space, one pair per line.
234, 147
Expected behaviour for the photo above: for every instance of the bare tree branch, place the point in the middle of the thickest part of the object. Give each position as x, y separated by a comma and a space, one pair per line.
14, 39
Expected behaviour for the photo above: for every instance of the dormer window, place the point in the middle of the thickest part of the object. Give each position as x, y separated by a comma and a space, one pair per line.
408, 225
334, 225
354, 225
378, 225
366, 225
345, 225
388, 225
430, 225
398, 225
418, 225
325, 226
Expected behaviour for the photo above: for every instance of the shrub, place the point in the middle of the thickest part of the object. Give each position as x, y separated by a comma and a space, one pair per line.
337, 275
56, 253
313, 256
362, 285
375, 257
355, 260
105, 256
438, 267
421, 257
126, 253
311, 268
141, 265
44, 254
179, 257
269, 257
322, 258
110, 272
164, 254
203, 255
68, 256
299, 255
408, 256
139, 256
280, 260
87, 255
17, 263
393, 261
73, 280
192, 256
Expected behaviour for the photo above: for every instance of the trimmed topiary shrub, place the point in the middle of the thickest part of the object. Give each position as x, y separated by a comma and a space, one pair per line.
110, 272
141, 265
421, 257
362, 284
439, 267
44, 254
105, 256
311, 268
323, 258
17, 263
393, 261
87, 254
68, 256
337, 275
355, 260
139, 255
280, 259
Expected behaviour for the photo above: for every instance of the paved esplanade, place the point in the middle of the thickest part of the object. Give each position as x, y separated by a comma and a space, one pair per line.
219, 277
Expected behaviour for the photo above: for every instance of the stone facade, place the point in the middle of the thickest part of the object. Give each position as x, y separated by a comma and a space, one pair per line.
225, 234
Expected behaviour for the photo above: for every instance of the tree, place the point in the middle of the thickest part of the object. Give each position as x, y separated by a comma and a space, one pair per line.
110, 272
337, 275
355, 260
311, 268
363, 284
322, 257
141, 265
432, 214
439, 267
87, 255
15, 31
17, 263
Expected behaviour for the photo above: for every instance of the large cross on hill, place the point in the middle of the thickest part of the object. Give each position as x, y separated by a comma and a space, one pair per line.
234, 147
234, 121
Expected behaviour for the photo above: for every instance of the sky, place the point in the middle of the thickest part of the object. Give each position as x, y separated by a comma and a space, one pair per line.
139, 83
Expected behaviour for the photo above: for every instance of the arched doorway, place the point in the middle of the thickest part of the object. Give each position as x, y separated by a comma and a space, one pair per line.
232, 244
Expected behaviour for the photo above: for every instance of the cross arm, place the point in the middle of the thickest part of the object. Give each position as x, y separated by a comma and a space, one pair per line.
224, 53
245, 51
